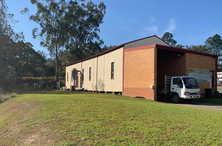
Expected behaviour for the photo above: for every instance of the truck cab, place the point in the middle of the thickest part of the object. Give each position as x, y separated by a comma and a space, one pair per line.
183, 87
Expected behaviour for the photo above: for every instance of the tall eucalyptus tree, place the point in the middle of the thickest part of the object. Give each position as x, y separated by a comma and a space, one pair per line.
50, 17
69, 24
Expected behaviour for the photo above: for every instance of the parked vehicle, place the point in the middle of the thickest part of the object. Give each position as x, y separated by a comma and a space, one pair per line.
219, 78
180, 87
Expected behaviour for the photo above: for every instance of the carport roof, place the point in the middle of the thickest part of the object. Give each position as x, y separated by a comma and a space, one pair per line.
183, 50
158, 46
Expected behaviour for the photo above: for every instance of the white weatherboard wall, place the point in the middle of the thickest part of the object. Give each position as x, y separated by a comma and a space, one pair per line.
104, 81
100, 72
89, 84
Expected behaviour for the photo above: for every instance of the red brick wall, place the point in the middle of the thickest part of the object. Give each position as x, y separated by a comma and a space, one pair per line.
202, 62
139, 72
140, 69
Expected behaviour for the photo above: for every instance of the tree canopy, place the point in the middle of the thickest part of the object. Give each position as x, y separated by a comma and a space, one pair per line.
199, 48
17, 58
168, 37
73, 25
214, 44
8, 45
50, 17
83, 20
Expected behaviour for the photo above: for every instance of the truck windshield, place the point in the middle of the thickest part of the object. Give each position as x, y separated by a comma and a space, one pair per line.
190, 83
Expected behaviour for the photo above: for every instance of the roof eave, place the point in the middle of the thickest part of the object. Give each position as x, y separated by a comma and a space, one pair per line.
184, 50
97, 55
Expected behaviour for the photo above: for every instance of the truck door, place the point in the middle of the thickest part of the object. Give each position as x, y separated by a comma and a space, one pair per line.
176, 85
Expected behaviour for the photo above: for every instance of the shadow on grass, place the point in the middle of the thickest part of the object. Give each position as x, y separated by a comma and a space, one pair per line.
201, 101
209, 101
54, 92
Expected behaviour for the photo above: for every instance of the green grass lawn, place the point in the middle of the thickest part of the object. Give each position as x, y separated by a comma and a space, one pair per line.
83, 118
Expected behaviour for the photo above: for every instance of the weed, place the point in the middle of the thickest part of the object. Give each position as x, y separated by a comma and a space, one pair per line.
14, 94
5, 97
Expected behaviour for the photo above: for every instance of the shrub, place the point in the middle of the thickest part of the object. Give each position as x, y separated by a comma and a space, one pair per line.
5, 97
14, 94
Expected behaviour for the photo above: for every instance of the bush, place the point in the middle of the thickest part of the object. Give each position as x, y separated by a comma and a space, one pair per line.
5, 97
14, 94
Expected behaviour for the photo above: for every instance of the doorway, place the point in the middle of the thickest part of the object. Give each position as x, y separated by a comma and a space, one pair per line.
77, 82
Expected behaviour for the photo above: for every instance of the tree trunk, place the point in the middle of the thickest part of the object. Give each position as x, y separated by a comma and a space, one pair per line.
57, 65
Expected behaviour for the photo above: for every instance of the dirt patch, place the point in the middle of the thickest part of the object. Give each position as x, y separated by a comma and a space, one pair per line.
13, 129
17, 126
43, 137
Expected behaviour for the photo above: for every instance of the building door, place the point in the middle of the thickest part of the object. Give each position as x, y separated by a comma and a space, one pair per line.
77, 82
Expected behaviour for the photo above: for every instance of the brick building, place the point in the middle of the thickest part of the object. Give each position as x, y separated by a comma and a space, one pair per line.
134, 67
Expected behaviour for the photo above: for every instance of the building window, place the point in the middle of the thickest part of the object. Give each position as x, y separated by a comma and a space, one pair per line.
112, 70
72, 75
90, 73
82, 74
67, 76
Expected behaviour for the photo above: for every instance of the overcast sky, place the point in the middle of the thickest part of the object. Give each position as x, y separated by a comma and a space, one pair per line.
190, 21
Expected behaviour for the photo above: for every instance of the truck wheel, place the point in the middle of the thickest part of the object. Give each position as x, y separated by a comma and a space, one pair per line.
175, 98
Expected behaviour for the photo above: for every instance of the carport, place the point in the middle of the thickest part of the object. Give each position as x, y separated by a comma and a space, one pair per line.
178, 62
170, 63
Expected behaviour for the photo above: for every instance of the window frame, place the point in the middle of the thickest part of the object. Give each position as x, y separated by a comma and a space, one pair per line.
177, 80
112, 70
90, 75
83, 75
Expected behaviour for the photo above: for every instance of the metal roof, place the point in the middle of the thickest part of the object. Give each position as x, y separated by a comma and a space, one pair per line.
158, 46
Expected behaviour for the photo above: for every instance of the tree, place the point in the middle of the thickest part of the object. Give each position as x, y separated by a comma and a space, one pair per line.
199, 48
168, 37
104, 48
50, 67
50, 17
29, 62
83, 20
8, 46
180, 46
72, 24
214, 44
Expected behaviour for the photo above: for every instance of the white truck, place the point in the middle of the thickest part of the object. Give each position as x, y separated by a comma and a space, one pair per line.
180, 87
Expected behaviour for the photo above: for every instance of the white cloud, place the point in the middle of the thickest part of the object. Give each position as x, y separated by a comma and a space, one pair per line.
171, 26
153, 29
